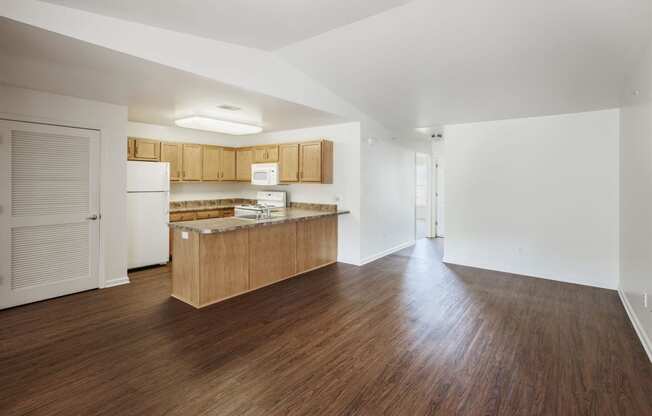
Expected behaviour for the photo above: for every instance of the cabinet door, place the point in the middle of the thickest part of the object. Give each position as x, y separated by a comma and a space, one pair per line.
215, 213
266, 154
171, 153
289, 162
182, 216
272, 154
244, 158
272, 253
316, 243
310, 162
191, 162
228, 164
130, 148
211, 163
260, 155
146, 149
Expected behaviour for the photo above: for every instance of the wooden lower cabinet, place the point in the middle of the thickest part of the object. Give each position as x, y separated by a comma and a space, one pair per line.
197, 215
273, 252
185, 267
316, 243
225, 269
208, 268
183, 216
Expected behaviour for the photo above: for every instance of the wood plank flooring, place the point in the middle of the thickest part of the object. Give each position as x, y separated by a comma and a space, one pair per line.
405, 335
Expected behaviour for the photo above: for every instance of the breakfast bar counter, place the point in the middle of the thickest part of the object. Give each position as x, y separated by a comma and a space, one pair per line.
220, 258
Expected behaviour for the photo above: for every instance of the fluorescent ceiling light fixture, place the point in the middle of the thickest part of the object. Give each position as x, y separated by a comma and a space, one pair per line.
219, 126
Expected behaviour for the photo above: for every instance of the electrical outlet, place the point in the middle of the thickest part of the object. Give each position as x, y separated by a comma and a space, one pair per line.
184, 235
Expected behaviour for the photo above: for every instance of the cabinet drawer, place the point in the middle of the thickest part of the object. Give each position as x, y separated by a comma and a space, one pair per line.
202, 215
182, 216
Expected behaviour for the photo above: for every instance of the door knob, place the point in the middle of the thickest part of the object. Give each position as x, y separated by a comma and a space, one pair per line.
93, 217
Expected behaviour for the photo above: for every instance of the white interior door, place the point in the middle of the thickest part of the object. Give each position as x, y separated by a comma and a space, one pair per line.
49, 211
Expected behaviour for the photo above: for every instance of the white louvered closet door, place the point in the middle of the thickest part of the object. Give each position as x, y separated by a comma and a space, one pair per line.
49, 196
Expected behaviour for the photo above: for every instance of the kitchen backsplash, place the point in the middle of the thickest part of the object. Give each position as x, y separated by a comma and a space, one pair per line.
176, 206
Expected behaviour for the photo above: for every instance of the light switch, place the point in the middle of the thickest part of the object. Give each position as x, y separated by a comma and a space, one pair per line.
184, 235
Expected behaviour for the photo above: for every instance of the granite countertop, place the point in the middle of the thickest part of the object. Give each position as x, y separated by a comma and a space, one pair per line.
280, 216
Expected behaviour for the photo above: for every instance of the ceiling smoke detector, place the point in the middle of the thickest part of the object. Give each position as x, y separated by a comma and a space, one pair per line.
229, 107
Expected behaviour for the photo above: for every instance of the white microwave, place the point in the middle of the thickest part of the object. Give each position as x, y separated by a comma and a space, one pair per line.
264, 174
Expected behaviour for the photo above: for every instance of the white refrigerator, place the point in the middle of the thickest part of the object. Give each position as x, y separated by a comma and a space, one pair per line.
148, 204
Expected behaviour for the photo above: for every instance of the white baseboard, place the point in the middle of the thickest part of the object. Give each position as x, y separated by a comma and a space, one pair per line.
116, 282
386, 252
647, 345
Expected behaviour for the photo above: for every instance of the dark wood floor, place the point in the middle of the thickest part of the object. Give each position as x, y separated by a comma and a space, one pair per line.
405, 335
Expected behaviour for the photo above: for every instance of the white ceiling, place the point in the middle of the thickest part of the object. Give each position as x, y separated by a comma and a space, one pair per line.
427, 63
438, 62
261, 24
38, 59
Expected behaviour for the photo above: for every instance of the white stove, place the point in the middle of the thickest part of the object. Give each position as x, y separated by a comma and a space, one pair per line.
265, 200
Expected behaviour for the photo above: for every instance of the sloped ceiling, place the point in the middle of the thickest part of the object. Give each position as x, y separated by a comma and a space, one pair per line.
262, 24
431, 62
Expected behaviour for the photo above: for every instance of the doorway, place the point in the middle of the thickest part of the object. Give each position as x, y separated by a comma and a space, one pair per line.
422, 197
49, 211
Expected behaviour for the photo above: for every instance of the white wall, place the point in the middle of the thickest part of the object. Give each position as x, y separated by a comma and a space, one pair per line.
111, 120
535, 196
388, 188
636, 197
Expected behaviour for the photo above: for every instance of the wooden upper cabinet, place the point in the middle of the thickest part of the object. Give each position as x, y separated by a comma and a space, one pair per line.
298, 162
288, 159
191, 162
130, 148
171, 153
212, 163
310, 155
228, 164
146, 149
316, 161
266, 154
244, 158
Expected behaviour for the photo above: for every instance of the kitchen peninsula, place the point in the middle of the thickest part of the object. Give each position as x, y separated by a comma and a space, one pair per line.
216, 259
